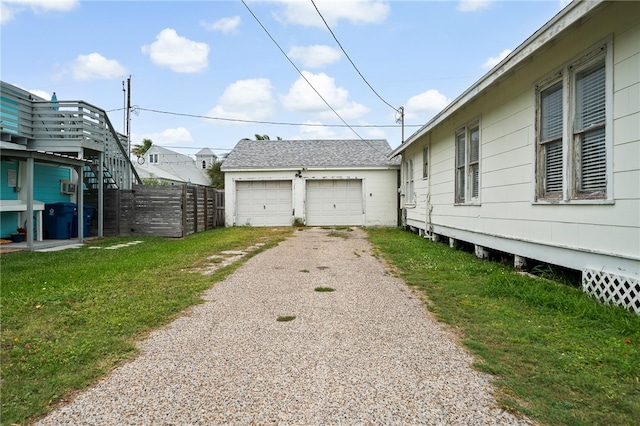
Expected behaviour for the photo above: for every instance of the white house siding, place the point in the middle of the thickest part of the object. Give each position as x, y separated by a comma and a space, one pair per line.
379, 194
599, 235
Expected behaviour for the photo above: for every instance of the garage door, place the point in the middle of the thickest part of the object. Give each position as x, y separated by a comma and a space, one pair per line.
264, 203
334, 202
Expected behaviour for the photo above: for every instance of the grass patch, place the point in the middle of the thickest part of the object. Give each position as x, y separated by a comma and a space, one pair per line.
324, 289
339, 234
69, 317
557, 355
286, 318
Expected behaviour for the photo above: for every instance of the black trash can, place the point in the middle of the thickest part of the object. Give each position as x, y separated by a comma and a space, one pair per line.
86, 224
58, 220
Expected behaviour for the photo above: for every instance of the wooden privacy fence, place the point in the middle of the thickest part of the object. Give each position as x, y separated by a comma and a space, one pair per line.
159, 210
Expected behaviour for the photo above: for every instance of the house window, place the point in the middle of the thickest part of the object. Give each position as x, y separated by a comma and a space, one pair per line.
550, 140
589, 132
153, 158
467, 182
409, 197
204, 164
572, 132
425, 162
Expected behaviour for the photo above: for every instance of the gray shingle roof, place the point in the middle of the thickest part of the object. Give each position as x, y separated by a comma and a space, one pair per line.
273, 154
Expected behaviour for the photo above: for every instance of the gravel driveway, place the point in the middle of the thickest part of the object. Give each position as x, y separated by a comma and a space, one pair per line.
367, 353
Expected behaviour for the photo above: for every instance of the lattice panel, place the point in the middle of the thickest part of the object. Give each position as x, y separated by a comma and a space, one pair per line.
612, 288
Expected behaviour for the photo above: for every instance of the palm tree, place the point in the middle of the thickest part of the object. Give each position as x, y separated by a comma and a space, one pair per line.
215, 175
262, 138
140, 149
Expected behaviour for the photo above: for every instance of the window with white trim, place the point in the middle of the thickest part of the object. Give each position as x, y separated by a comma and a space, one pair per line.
467, 181
572, 132
409, 196
425, 162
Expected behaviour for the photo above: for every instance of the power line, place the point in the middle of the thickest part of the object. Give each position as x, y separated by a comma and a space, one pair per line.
399, 111
349, 58
278, 123
300, 72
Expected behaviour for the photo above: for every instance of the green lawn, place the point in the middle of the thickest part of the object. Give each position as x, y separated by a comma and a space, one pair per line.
557, 355
71, 316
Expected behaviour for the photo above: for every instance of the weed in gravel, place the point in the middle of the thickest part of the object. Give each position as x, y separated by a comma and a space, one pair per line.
285, 318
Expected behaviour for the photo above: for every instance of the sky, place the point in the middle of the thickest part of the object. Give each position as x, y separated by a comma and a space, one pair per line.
205, 74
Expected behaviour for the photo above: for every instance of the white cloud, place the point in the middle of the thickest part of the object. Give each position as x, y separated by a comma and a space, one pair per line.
10, 8
177, 136
170, 137
311, 130
6, 13
425, 104
94, 66
315, 56
357, 12
40, 93
473, 5
492, 62
302, 98
177, 53
224, 25
245, 100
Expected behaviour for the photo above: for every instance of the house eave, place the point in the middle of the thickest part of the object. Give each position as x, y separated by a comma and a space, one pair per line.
309, 168
42, 157
552, 30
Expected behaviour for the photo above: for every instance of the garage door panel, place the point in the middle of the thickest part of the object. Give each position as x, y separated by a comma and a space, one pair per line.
334, 202
264, 203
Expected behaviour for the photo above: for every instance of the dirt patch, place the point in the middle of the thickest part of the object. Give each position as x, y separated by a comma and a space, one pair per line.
225, 258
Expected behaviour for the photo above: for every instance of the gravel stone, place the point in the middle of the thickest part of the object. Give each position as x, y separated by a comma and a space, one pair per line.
368, 353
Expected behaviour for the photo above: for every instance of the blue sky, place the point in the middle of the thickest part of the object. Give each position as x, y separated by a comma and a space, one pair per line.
206, 74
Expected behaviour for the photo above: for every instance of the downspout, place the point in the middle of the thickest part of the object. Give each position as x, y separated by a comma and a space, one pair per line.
428, 227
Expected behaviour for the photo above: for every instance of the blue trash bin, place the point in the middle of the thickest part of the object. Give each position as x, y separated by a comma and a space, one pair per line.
86, 224
58, 220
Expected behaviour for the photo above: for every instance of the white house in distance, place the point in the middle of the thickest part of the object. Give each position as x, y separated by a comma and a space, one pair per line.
541, 157
315, 182
165, 165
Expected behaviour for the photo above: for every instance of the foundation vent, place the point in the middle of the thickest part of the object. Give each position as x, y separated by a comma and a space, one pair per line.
612, 288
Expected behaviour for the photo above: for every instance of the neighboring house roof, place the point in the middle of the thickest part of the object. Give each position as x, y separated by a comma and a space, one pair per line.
205, 152
278, 154
571, 15
171, 166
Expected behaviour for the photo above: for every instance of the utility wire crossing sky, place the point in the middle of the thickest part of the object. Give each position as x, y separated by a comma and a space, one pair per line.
205, 74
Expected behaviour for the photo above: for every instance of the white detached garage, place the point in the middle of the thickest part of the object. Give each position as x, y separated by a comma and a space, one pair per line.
316, 182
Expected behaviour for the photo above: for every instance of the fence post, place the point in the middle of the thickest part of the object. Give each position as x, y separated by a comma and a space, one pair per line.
195, 208
184, 210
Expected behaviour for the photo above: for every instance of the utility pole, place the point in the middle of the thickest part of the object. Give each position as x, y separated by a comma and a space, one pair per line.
129, 111
124, 108
128, 130
400, 120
